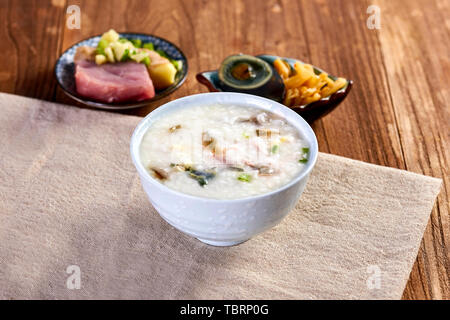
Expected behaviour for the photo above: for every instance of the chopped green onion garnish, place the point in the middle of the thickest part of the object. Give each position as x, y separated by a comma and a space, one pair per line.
305, 156
275, 148
245, 177
146, 61
123, 40
149, 46
245, 135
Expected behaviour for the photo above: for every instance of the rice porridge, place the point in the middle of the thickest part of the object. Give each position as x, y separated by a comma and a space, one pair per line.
223, 151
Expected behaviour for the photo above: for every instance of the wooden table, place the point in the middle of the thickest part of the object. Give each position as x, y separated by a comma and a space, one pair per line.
397, 114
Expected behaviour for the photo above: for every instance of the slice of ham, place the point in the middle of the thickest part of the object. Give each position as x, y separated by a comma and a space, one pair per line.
113, 82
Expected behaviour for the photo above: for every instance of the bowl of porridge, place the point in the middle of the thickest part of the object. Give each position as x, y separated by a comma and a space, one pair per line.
223, 167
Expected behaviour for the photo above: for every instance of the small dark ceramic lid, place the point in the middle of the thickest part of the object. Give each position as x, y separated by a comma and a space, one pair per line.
258, 72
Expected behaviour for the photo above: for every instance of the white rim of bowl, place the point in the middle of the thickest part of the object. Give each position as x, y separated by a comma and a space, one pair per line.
142, 128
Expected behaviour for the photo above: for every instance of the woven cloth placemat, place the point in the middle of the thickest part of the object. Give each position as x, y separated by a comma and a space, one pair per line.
70, 196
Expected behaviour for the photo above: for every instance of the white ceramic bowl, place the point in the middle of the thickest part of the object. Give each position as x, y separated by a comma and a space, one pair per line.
223, 222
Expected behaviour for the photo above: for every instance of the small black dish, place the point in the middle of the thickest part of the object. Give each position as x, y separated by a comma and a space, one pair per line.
310, 112
65, 71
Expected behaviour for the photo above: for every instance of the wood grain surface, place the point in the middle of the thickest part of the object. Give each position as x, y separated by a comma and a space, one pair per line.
397, 114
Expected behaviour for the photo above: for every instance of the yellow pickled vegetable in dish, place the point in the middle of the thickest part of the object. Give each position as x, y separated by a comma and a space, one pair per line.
303, 85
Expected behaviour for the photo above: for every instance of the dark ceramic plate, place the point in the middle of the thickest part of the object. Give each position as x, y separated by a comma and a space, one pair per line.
309, 112
65, 71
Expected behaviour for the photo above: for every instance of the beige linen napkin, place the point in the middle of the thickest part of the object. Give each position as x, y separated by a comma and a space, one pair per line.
70, 196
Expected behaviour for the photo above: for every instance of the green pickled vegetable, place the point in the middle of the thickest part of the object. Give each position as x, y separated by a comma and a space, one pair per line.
137, 43
116, 49
102, 45
178, 64
162, 53
121, 50
126, 55
139, 57
149, 46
